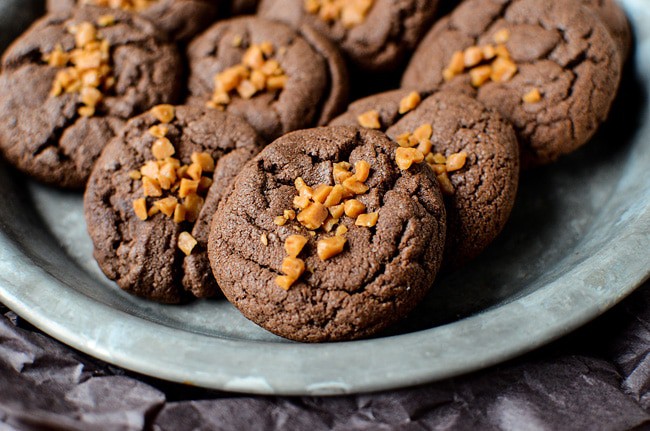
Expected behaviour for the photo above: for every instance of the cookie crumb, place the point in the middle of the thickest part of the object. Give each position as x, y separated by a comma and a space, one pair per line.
186, 243
369, 120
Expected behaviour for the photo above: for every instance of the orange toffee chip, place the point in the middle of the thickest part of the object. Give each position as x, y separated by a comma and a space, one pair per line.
85, 70
321, 207
256, 73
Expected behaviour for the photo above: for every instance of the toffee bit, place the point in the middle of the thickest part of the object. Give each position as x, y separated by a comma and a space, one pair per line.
330, 247
163, 113
186, 243
409, 102
533, 96
257, 72
369, 120
367, 220
405, 157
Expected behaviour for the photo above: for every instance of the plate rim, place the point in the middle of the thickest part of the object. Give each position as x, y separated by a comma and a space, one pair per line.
281, 374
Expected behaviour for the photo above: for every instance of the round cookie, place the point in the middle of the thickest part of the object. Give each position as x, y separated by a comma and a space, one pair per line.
614, 18
51, 137
484, 189
381, 273
181, 19
144, 256
566, 68
313, 81
377, 38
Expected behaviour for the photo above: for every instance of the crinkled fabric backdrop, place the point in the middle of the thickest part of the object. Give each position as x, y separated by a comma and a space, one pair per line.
594, 379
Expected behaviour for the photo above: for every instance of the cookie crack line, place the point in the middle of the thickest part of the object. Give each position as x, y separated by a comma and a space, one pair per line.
54, 139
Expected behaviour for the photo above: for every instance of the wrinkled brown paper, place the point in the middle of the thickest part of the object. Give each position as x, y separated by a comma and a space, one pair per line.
597, 378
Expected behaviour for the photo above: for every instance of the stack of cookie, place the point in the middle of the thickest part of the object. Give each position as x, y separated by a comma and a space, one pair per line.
316, 234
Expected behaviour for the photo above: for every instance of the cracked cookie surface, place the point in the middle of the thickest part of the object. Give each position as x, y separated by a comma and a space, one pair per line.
485, 188
561, 48
316, 87
142, 256
43, 135
180, 19
383, 271
388, 33
614, 18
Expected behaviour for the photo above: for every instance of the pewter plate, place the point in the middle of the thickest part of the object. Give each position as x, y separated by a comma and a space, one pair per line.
578, 242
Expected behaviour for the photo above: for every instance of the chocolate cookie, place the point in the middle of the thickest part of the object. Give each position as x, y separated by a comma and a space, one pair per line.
276, 78
614, 18
144, 205
242, 7
350, 253
61, 105
551, 68
376, 35
483, 190
180, 19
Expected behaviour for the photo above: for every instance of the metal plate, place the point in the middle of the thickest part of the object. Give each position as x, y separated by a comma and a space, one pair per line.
577, 243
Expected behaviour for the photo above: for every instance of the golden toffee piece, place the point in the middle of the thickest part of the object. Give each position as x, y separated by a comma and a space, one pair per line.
370, 119
181, 189
416, 147
321, 208
256, 73
129, 5
484, 63
349, 12
86, 70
